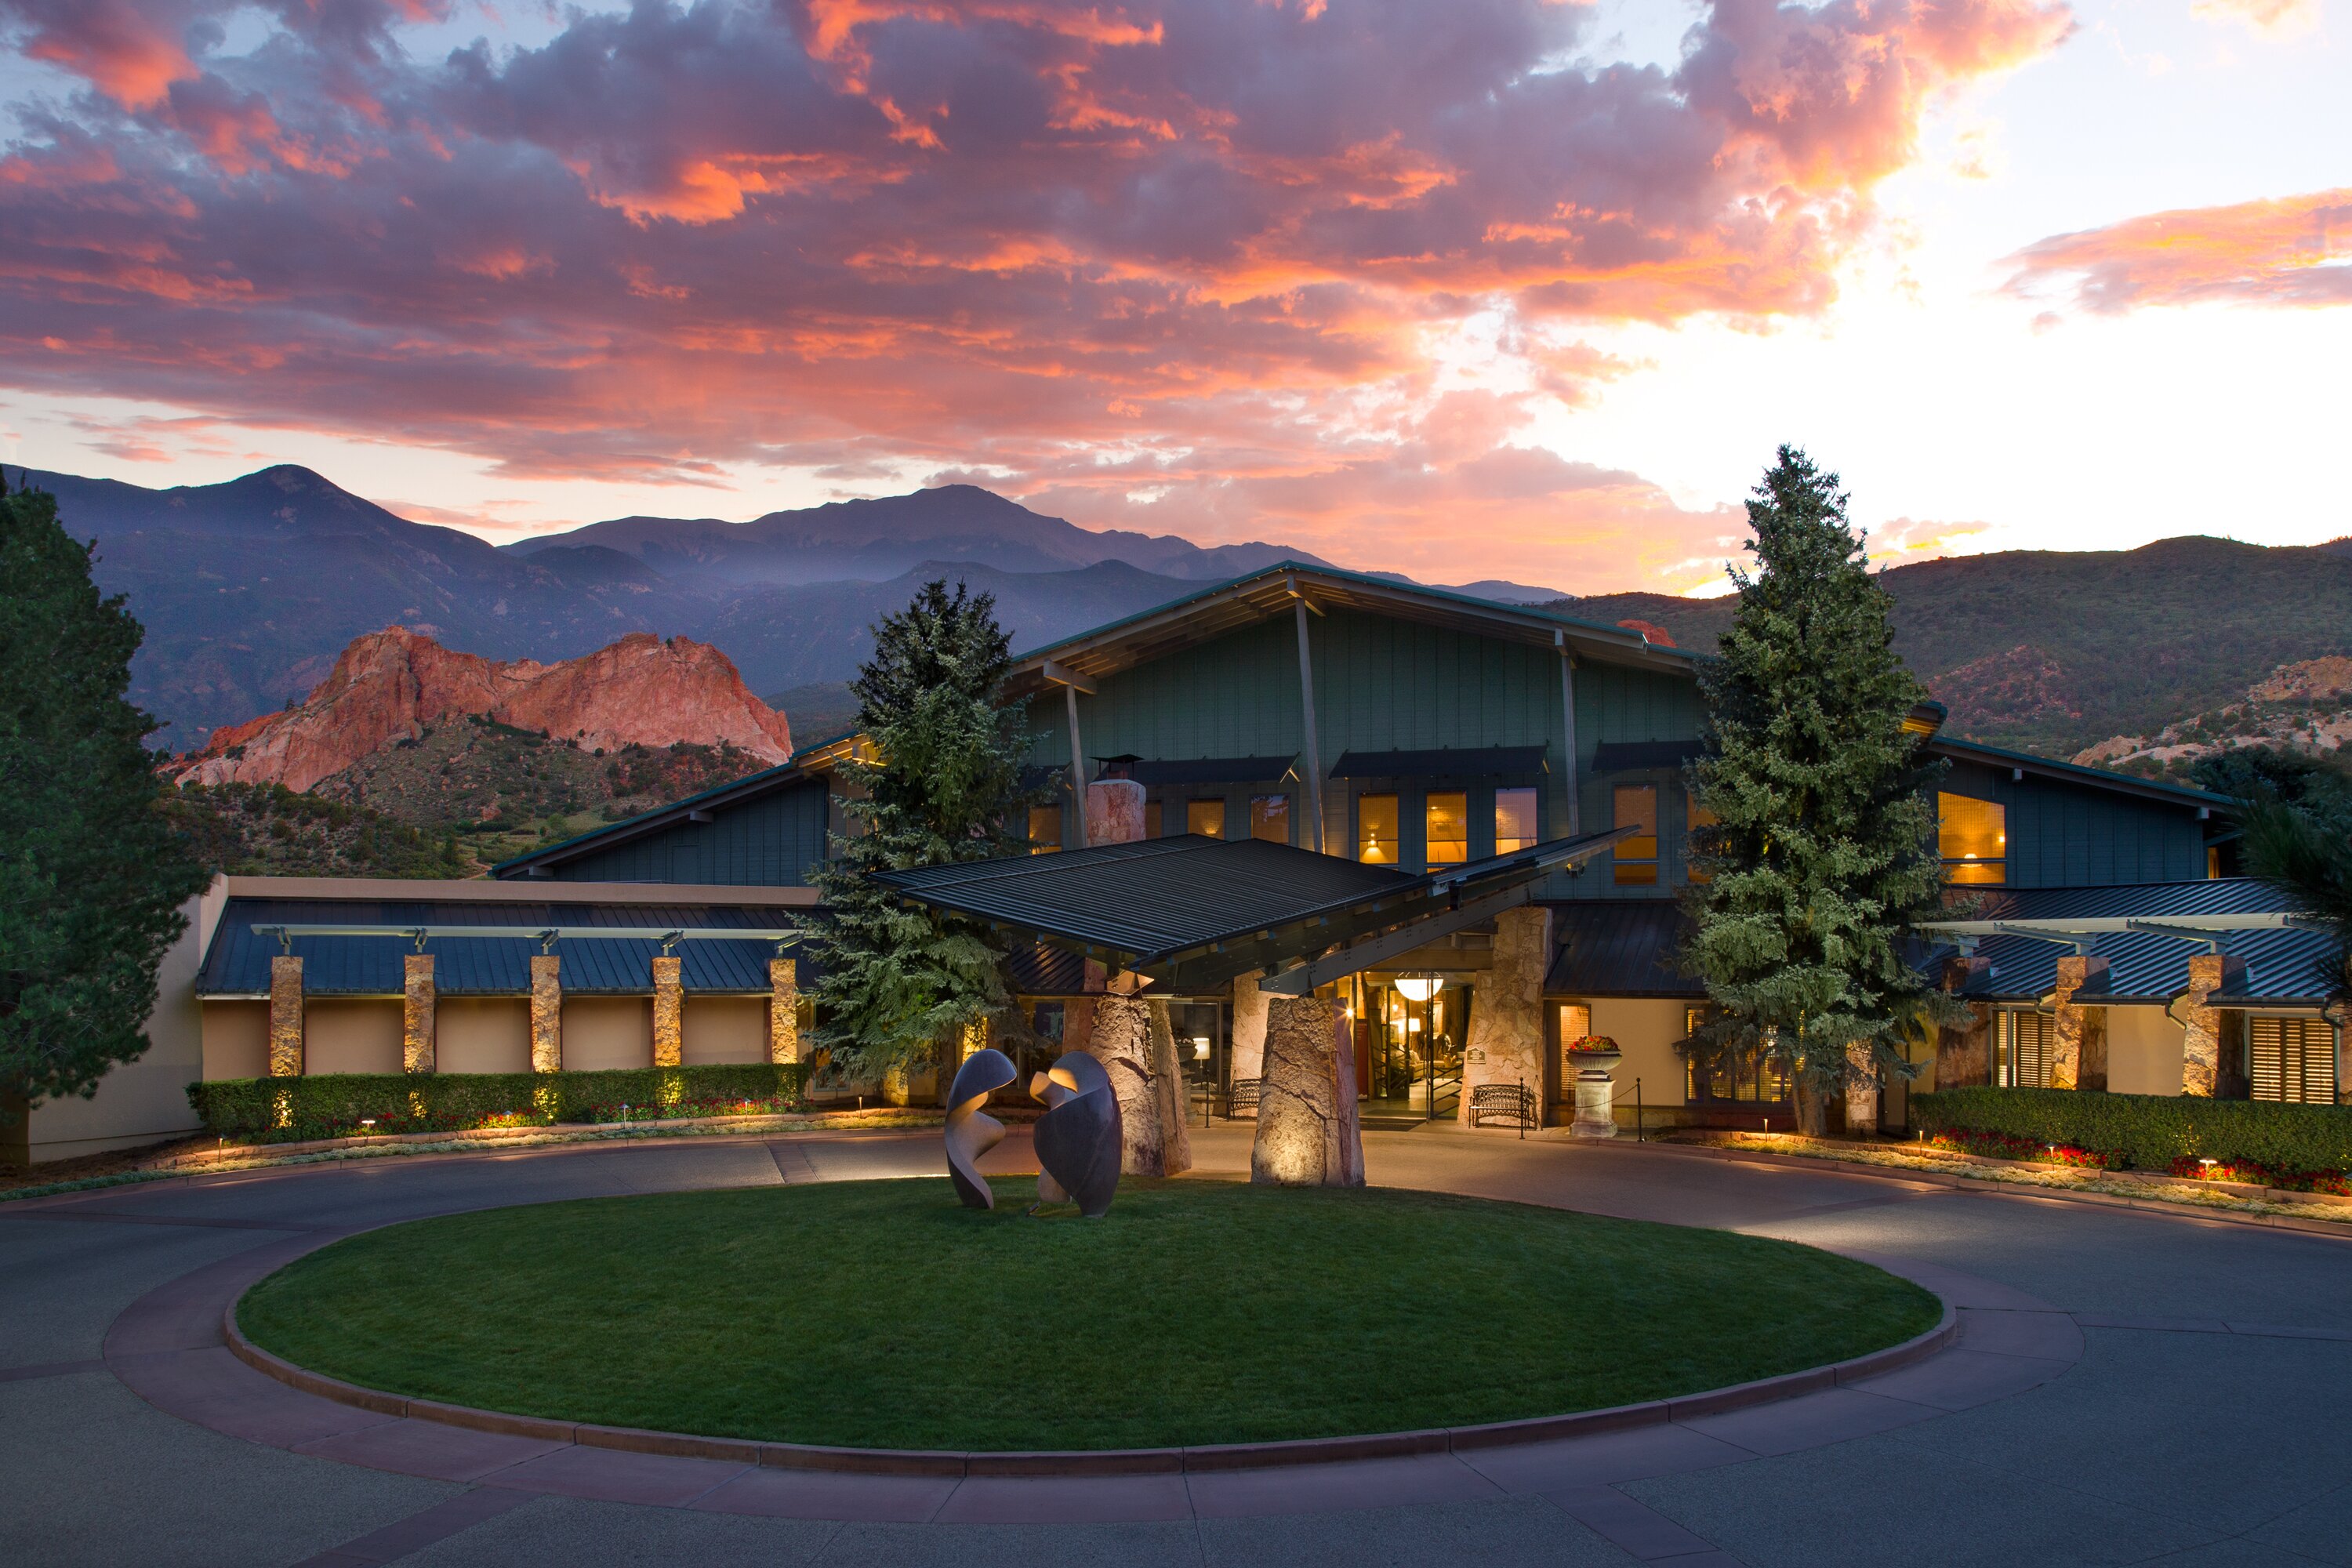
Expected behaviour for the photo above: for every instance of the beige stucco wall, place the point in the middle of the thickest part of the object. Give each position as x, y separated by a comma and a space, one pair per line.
2145, 1048
1646, 1029
726, 1029
481, 1034
236, 1040
350, 1035
605, 1032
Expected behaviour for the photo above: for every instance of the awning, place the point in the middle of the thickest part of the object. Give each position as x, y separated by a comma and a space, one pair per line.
1192, 913
1206, 770
1630, 756
1466, 761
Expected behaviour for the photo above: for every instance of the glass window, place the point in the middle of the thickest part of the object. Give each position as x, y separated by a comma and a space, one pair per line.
1270, 817
1046, 1020
1151, 819
1972, 835
1045, 829
1699, 817
1515, 820
1376, 829
1637, 858
1205, 817
1447, 814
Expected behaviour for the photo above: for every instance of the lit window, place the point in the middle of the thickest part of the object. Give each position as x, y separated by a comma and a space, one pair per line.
1515, 820
1699, 817
1972, 836
1575, 1028
1270, 817
1205, 817
1151, 819
1637, 858
1045, 829
1376, 829
1447, 815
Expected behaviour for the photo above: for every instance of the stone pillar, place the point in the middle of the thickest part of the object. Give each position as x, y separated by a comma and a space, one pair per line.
1507, 1029
1860, 1093
417, 1013
669, 1011
1249, 1028
2078, 1052
783, 1010
1964, 1055
1307, 1134
546, 1012
1132, 1040
1114, 812
2207, 1032
285, 1017
1168, 1094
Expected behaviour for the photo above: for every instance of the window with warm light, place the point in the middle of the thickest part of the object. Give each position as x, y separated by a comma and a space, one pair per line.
1699, 817
1637, 858
1376, 829
1270, 817
1515, 820
1446, 815
1972, 836
1045, 829
1205, 817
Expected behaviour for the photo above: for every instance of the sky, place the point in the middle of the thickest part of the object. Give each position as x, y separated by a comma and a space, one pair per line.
1488, 289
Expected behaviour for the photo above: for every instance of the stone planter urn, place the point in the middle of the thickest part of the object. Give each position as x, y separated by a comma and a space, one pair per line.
1591, 1058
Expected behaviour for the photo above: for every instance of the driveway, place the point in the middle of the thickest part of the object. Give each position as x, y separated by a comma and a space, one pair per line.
2128, 1388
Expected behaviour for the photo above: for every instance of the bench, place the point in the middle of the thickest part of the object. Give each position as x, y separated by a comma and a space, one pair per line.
1243, 1096
1505, 1104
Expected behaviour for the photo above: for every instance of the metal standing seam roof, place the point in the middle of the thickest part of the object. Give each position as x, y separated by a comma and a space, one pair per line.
238, 961
2282, 963
1619, 947
1469, 762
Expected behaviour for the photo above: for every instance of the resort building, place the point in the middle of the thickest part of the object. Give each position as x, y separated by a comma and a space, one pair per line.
1466, 821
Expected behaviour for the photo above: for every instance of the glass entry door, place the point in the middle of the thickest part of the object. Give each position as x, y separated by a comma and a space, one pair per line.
1413, 1055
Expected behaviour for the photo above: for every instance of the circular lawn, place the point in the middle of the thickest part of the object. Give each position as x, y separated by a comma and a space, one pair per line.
881, 1314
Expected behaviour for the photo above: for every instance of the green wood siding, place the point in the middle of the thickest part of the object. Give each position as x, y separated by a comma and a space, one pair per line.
768, 842
2064, 835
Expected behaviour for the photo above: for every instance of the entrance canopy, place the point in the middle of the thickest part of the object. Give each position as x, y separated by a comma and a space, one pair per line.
1192, 913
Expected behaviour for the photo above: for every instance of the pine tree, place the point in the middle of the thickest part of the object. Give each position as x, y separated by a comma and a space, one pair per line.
92, 874
897, 979
1821, 857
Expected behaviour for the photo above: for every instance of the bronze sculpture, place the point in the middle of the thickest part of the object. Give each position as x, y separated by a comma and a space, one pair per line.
1079, 1136
971, 1132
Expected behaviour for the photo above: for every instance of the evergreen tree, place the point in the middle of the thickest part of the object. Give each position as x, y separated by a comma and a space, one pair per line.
92, 874
1822, 855
944, 787
2300, 845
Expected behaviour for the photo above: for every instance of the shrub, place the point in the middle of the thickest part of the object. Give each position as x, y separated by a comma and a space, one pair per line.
332, 1105
2147, 1132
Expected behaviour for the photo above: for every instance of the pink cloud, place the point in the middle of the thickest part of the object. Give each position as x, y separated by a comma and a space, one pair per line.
2294, 251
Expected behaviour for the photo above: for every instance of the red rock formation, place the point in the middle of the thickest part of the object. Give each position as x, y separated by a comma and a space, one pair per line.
1652, 633
389, 684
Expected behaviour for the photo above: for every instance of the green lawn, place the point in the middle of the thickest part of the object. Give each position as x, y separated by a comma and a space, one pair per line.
882, 1314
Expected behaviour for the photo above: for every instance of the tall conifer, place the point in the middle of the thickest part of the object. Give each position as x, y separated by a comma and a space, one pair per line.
944, 787
92, 874
1823, 854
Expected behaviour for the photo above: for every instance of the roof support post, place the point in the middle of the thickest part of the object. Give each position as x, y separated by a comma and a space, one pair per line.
1314, 782
1567, 731
1077, 768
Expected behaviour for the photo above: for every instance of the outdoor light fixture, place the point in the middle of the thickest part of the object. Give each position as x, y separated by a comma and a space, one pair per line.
1419, 987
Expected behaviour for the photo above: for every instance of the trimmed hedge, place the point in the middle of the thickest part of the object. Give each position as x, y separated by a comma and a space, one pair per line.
2149, 1132
332, 1105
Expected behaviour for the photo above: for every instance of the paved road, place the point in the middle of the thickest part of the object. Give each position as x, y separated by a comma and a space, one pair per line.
2207, 1422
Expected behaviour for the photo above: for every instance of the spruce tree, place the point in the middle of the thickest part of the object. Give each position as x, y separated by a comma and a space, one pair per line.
92, 874
1822, 858
897, 979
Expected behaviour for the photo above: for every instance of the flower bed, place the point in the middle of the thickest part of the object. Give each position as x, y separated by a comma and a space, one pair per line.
2256, 1171
2009, 1146
340, 1105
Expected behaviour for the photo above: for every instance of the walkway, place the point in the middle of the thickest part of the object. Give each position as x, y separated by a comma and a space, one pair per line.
2129, 1388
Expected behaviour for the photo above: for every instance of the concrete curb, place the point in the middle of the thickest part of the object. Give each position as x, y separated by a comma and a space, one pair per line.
1101, 1461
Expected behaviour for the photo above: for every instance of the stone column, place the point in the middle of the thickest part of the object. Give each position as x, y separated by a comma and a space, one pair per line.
1860, 1093
1507, 1029
417, 1013
1168, 1094
1249, 1028
1307, 1134
2078, 1052
1130, 1038
546, 1012
669, 1011
1964, 1055
1114, 812
783, 1010
2208, 1031
285, 1017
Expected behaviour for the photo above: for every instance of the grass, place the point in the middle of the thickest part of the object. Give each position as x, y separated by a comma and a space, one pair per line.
881, 1314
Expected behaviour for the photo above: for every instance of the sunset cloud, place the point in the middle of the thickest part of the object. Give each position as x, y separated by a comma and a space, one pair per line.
1205, 253
2294, 251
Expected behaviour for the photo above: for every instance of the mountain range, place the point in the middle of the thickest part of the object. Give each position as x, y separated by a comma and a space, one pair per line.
250, 590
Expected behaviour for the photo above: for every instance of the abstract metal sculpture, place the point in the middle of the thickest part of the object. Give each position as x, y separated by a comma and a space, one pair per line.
971, 1132
1079, 1136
